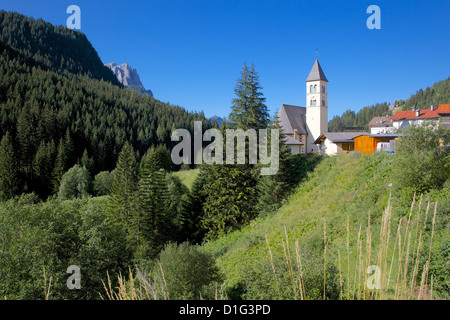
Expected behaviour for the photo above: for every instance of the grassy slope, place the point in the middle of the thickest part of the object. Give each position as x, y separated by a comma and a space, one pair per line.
350, 185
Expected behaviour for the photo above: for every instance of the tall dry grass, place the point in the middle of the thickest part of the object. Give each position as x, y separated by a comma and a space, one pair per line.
144, 286
141, 287
389, 260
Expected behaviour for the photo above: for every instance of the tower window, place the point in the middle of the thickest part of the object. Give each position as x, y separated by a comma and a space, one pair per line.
313, 88
323, 103
313, 103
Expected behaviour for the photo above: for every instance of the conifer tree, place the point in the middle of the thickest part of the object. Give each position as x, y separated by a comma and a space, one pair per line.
248, 110
230, 189
177, 194
27, 138
69, 146
156, 159
60, 165
192, 208
43, 165
125, 185
150, 223
9, 172
230, 199
87, 162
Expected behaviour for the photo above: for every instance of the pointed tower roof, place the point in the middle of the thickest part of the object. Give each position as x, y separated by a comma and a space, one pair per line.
316, 73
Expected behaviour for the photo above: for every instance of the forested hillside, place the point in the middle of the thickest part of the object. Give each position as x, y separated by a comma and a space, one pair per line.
361, 118
438, 93
52, 47
60, 112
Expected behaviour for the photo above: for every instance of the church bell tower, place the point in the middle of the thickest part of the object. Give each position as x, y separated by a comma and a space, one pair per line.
316, 105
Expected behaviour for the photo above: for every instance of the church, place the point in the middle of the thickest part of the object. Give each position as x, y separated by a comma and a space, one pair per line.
302, 126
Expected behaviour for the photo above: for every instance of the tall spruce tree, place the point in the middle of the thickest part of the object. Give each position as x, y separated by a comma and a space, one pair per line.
230, 199
60, 166
87, 161
9, 171
150, 223
192, 207
230, 189
43, 166
156, 159
124, 187
248, 110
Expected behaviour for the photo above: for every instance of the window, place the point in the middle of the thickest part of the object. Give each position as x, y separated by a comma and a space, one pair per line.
323, 103
315, 88
348, 147
311, 89
313, 103
323, 88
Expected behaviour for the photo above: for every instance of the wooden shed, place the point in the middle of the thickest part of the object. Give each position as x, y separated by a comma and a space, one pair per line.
367, 143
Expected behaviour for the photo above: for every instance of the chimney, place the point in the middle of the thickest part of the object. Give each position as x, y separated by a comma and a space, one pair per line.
432, 108
295, 134
413, 109
417, 112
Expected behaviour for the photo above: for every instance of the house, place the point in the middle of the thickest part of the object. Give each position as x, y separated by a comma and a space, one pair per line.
402, 119
381, 125
303, 125
332, 143
444, 112
370, 143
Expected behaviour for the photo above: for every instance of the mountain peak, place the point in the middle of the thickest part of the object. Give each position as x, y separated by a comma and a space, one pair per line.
128, 76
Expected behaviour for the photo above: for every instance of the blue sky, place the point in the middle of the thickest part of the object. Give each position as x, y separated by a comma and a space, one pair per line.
190, 53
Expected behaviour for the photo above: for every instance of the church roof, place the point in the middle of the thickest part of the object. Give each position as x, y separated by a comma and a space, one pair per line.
316, 73
292, 117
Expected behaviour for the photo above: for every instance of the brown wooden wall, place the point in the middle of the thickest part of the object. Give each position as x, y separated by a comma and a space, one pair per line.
368, 144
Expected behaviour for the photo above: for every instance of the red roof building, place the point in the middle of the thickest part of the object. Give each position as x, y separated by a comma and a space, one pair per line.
402, 119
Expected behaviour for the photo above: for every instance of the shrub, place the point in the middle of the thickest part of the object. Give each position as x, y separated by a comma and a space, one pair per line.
421, 162
103, 183
45, 238
187, 271
75, 183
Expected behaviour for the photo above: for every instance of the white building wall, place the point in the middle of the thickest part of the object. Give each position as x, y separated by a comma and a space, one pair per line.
379, 130
329, 148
